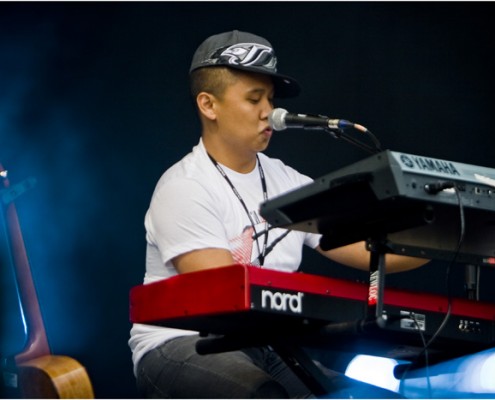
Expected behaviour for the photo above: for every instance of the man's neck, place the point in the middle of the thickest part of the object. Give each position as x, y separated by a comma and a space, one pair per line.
234, 160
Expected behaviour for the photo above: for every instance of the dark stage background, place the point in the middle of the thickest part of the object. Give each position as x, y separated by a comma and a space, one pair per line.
94, 105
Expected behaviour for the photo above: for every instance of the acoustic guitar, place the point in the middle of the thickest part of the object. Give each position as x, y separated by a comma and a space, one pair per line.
36, 373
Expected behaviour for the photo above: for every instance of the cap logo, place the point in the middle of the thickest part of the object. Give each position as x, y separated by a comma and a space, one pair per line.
248, 55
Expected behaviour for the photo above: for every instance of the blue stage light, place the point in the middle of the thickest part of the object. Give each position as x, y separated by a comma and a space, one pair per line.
471, 376
467, 377
378, 371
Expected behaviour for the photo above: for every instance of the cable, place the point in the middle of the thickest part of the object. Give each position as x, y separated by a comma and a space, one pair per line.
425, 347
462, 232
340, 134
373, 138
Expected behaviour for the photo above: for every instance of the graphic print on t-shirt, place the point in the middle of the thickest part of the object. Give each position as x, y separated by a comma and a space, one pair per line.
242, 246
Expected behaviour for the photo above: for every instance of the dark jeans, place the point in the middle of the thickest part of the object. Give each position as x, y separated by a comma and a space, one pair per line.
176, 370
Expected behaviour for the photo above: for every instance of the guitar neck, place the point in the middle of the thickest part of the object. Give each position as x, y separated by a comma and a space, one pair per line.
38, 374
36, 341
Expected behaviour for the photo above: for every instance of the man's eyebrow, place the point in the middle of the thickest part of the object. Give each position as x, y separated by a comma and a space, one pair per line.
256, 90
259, 90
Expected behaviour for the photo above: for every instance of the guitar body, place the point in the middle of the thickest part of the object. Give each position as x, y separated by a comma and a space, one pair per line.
53, 377
36, 373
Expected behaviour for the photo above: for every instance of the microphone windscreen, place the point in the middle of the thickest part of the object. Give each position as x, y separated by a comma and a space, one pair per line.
276, 119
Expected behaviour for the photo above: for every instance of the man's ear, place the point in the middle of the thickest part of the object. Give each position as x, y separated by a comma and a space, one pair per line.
206, 105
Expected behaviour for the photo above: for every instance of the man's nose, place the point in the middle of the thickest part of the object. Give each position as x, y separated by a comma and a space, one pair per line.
267, 108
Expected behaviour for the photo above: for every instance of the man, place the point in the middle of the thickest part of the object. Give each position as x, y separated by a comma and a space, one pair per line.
204, 214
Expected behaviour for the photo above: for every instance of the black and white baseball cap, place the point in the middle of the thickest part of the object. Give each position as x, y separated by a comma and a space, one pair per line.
247, 52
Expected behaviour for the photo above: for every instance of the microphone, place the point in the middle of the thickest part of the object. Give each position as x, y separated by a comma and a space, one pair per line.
280, 119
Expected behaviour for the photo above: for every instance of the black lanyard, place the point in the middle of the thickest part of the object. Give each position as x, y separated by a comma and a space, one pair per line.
261, 257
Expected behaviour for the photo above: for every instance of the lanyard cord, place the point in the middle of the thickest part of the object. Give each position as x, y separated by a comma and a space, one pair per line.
261, 257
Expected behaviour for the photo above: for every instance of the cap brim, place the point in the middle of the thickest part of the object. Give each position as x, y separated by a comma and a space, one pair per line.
284, 86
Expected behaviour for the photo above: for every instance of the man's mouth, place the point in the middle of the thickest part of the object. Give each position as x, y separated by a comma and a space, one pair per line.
267, 131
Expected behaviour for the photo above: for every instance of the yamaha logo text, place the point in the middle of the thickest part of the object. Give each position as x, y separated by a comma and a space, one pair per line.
282, 301
429, 164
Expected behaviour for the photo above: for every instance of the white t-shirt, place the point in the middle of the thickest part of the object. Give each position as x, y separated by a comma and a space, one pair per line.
193, 207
